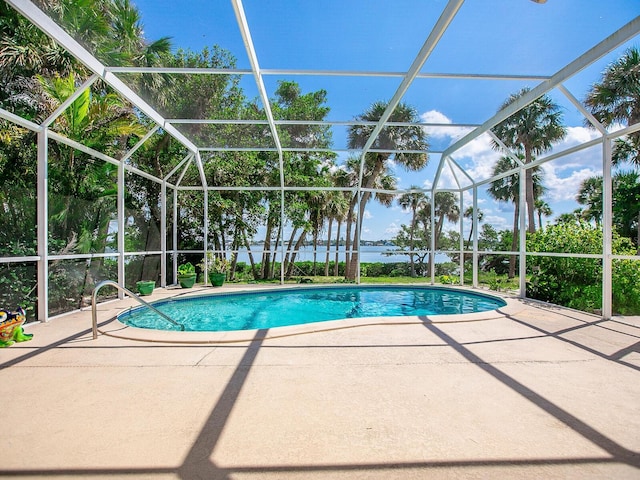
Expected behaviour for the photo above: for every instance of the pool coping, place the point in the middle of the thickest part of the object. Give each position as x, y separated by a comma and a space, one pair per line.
114, 328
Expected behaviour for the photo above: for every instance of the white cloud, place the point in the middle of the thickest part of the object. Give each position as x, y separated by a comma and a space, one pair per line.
442, 131
392, 230
367, 215
564, 188
499, 223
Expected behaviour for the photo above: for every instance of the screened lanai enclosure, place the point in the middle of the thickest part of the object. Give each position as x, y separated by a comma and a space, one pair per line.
292, 134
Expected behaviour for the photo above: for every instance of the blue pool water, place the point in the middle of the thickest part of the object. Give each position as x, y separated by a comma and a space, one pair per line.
257, 310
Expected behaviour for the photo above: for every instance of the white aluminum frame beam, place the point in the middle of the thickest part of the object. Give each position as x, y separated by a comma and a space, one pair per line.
322, 73
607, 230
255, 67
12, 117
43, 225
226, 121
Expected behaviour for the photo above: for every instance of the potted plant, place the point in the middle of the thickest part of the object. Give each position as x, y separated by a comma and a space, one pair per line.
145, 287
186, 275
217, 268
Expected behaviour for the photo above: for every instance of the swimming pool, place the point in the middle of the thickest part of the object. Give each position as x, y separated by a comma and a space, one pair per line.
278, 308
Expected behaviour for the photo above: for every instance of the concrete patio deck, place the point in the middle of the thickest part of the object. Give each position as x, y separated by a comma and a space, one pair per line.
533, 392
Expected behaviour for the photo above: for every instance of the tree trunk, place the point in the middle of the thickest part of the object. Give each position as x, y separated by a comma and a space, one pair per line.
272, 266
315, 251
290, 248
371, 180
347, 247
326, 262
514, 240
245, 240
234, 254
297, 246
266, 255
353, 268
336, 270
438, 228
530, 195
411, 234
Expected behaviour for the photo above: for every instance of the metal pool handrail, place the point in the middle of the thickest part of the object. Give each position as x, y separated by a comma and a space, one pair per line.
94, 310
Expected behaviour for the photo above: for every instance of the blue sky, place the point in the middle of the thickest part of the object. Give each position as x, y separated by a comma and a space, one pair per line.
486, 36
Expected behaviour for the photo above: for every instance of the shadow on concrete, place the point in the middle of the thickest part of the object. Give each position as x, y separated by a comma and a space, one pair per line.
558, 335
198, 463
618, 453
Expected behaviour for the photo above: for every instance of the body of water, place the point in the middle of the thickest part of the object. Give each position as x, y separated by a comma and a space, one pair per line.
368, 254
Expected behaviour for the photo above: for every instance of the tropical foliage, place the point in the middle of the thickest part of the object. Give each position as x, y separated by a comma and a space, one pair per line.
626, 202
616, 99
577, 282
507, 189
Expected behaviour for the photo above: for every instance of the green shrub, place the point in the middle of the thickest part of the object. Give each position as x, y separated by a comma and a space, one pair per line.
449, 280
626, 287
577, 282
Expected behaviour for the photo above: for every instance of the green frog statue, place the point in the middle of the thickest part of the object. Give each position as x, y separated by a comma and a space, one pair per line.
11, 330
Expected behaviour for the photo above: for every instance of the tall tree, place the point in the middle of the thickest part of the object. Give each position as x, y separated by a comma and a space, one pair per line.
616, 99
468, 213
335, 209
412, 201
406, 137
507, 189
446, 208
532, 130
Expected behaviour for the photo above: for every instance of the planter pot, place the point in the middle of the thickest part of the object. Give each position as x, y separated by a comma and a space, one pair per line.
217, 279
145, 287
187, 281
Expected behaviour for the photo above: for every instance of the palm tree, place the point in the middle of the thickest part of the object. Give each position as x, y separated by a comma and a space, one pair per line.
507, 189
590, 195
542, 208
335, 209
412, 201
468, 213
446, 207
573, 217
344, 178
532, 131
616, 99
409, 137
129, 47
